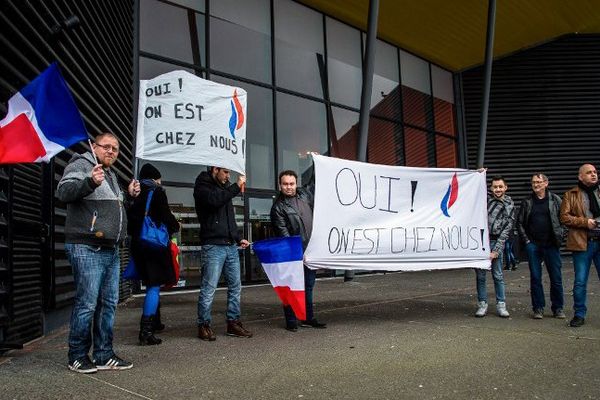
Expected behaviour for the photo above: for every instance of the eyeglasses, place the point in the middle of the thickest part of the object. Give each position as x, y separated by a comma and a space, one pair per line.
108, 147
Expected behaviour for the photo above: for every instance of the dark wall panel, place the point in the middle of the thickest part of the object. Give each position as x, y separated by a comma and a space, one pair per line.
96, 59
544, 113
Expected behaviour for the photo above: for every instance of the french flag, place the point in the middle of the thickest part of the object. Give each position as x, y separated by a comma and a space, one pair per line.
42, 121
282, 260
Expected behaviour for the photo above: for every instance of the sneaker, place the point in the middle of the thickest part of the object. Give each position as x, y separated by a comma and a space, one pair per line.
115, 362
83, 365
235, 328
206, 333
501, 310
560, 314
576, 322
538, 314
313, 323
482, 308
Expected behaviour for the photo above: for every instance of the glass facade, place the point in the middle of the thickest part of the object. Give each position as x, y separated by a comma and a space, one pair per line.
303, 74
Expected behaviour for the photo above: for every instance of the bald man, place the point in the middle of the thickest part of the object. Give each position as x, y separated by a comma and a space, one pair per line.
580, 212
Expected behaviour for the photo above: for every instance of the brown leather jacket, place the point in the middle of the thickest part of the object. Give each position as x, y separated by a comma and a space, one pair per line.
573, 216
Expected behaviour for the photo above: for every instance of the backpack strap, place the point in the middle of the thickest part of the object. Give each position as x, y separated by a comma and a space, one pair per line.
150, 193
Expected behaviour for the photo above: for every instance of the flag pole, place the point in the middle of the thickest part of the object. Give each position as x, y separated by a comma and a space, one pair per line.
92, 150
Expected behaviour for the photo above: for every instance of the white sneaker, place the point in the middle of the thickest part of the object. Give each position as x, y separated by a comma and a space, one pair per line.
501, 310
482, 307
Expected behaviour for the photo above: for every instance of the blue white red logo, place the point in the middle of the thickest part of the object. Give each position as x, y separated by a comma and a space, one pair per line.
237, 115
450, 196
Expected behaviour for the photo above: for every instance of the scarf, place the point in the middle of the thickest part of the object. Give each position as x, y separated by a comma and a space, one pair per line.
592, 199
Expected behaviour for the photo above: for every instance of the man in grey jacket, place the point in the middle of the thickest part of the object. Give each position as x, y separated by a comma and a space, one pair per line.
96, 224
500, 222
541, 231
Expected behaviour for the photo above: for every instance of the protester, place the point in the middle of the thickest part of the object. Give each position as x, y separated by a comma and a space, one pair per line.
291, 215
541, 232
96, 224
580, 212
500, 222
154, 265
220, 239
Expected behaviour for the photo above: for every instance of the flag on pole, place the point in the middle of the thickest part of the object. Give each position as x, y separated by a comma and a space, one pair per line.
282, 260
42, 120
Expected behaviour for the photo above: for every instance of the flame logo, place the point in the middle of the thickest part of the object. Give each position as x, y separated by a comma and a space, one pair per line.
450, 196
237, 115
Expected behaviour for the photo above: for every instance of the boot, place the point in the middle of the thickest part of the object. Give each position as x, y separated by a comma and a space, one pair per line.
157, 325
146, 335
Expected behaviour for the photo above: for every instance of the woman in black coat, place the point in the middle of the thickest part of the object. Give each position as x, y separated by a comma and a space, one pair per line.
153, 265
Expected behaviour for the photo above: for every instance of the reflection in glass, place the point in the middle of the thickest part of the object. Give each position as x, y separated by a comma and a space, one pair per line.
345, 123
301, 128
445, 150
343, 63
260, 156
385, 96
298, 42
416, 148
164, 30
241, 38
150, 68
383, 142
259, 221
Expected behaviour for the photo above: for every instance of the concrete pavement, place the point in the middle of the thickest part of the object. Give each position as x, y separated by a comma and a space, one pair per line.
389, 336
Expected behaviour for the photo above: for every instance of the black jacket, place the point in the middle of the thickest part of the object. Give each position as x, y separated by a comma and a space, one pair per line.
285, 218
215, 210
554, 203
155, 266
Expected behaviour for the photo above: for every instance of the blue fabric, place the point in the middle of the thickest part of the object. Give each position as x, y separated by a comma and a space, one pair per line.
217, 259
310, 276
279, 250
130, 271
496, 275
55, 110
152, 234
151, 300
551, 257
96, 275
582, 261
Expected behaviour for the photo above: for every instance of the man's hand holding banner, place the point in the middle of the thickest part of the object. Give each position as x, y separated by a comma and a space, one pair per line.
377, 217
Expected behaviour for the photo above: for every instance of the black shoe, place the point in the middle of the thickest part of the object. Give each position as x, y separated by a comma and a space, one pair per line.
157, 325
146, 336
83, 365
313, 323
113, 363
576, 322
293, 327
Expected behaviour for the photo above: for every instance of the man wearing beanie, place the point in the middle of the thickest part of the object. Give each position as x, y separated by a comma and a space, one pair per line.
149, 171
580, 212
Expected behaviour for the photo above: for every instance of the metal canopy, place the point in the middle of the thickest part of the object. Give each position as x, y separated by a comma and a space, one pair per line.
452, 33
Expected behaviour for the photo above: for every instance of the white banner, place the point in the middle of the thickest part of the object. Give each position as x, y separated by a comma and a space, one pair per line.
378, 217
186, 119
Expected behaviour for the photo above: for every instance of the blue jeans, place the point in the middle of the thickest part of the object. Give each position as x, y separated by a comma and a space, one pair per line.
217, 259
96, 275
310, 276
551, 256
496, 275
582, 261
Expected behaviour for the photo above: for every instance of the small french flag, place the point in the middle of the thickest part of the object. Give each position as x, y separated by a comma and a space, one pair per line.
282, 260
42, 121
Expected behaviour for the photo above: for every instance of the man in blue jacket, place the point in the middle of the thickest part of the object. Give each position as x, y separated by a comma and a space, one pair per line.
96, 224
220, 239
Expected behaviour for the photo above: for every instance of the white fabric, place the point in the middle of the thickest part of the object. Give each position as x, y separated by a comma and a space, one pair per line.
365, 217
185, 119
290, 274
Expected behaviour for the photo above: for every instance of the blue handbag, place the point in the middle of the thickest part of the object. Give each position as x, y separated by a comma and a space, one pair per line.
153, 235
130, 271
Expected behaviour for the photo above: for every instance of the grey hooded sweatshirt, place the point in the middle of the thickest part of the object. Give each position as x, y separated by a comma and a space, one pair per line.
95, 214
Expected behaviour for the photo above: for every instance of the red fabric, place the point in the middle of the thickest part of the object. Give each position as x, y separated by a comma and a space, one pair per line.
19, 142
175, 257
293, 298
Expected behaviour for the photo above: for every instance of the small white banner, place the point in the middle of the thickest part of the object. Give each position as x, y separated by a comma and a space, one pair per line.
186, 119
378, 217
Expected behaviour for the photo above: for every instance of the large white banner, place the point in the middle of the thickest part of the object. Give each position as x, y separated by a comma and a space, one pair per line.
186, 119
378, 217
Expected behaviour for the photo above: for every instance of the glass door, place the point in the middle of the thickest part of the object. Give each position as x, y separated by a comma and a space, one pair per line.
258, 227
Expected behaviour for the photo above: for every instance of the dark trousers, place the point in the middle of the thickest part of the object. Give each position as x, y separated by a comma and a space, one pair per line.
310, 276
